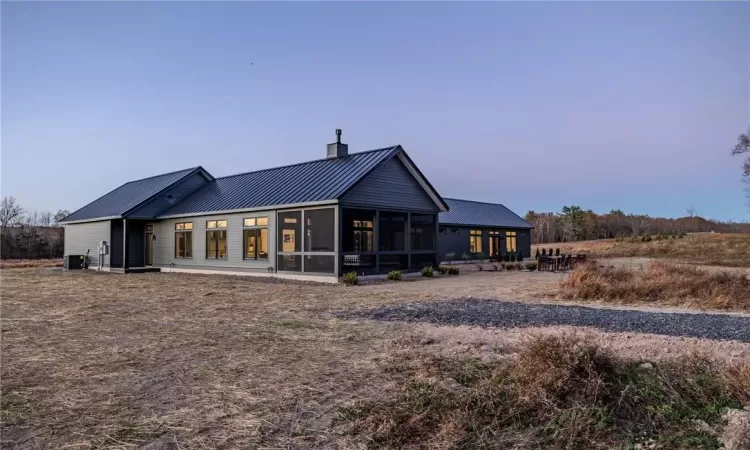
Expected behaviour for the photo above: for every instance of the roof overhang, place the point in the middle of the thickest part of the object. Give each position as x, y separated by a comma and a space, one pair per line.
93, 219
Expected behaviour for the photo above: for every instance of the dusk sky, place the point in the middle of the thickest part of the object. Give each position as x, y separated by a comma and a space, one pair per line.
534, 105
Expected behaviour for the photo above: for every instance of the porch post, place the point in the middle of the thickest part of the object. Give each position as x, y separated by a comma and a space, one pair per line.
124, 244
375, 240
408, 240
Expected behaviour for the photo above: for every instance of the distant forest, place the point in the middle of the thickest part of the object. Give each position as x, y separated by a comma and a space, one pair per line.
576, 224
30, 234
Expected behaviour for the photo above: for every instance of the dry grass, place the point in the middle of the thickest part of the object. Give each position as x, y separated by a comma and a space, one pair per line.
95, 360
659, 282
557, 393
732, 250
29, 263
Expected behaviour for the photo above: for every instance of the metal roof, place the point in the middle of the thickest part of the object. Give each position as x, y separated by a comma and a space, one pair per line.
126, 197
469, 212
314, 181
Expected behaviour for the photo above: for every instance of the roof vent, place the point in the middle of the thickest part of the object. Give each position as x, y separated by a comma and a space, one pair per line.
337, 149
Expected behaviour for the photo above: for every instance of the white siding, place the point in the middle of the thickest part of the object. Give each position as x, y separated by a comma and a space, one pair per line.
164, 245
80, 237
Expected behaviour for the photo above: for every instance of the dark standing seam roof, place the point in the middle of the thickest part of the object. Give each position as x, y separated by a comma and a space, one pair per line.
128, 196
314, 181
468, 212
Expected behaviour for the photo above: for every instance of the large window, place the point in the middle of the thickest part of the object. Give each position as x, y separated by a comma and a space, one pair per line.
392, 232
290, 232
358, 230
494, 243
475, 241
510, 241
216, 239
255, 237
422, 232
319, 231
183, 240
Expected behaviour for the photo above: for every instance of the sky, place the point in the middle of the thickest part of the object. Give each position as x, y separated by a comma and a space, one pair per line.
536, 105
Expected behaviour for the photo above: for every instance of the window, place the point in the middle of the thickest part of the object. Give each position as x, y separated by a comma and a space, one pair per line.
358, 230
510, 241
422, 232
319, 231
475, 241
494, 243
443, 231
289, 232
454, 230
255, 237
255, 222
392, 233
216, 239
183, 240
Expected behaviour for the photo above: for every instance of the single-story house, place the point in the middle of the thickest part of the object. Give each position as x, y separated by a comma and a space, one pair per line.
369, 212
470, 228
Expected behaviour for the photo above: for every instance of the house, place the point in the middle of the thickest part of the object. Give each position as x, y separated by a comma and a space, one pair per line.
369, 212
470, 227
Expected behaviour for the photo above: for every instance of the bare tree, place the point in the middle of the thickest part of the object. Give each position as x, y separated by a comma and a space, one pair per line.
60, 215
45, 219
10, 212
743, 147
692, 211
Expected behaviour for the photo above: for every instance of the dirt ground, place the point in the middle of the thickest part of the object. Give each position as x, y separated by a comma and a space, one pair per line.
94, 360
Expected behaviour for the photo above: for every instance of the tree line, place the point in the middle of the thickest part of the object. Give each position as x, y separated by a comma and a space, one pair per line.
30, 234
574, 223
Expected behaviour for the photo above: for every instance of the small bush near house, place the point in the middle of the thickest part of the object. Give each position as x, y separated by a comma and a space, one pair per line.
530, 266
559, 392
427, 271
466, 257
395, 275
480, 256
453, 270
511, 266
450, 256
443, 270
351, 279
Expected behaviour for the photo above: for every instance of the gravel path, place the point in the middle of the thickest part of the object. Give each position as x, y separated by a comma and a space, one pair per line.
500, 314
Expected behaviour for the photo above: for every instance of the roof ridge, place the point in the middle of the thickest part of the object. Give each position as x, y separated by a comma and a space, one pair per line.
475, 201
306, 162
190, 169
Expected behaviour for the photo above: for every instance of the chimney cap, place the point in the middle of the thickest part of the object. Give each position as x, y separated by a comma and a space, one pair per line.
338, 135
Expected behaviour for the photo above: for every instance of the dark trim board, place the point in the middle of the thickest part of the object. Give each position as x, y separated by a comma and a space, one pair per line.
459, 243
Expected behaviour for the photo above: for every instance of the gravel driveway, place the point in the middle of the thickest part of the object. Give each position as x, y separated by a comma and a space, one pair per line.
500, 314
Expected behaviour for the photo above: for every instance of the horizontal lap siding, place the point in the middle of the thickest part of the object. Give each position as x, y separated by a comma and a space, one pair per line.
80, 237
390, 186
164, 246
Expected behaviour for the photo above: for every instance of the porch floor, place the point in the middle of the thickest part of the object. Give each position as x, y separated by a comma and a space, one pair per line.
134, 269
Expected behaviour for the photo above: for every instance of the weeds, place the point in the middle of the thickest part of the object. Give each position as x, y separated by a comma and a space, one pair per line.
560, 392
661, 282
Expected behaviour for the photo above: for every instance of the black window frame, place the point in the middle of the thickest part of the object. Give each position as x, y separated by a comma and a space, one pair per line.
256, 230
213, 226
183, 230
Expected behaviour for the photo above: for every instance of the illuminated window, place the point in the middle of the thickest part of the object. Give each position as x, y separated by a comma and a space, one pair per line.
510, 241
183, 240
255, 237
216, 239
475, 241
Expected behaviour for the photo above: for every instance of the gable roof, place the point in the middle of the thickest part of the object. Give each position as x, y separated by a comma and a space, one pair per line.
322, 180
130, 195
469, 212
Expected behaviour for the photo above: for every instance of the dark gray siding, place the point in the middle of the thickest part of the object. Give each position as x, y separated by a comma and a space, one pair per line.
169, 197
115, 244
459, 243
390, 186
136, 243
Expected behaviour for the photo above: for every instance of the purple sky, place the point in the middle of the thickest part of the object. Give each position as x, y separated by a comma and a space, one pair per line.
535, 105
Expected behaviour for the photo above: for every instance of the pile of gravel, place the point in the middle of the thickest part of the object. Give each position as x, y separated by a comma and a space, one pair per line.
500, 314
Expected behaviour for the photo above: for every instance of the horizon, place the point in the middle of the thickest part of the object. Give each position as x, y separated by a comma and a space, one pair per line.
480, 96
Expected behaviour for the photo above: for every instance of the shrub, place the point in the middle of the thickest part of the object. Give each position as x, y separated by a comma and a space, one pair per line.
453, 270
450, 256
646, 238
350, 279
511, 266
480, 256
519, 256
531, 266
428, 271
466, 257
443, 270
512, 257
395, 275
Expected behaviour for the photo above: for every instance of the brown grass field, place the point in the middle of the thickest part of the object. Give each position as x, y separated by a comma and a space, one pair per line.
732, 250
29, 263
93, 360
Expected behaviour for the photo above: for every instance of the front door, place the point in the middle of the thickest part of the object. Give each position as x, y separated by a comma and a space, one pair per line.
149, 245
495, 245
